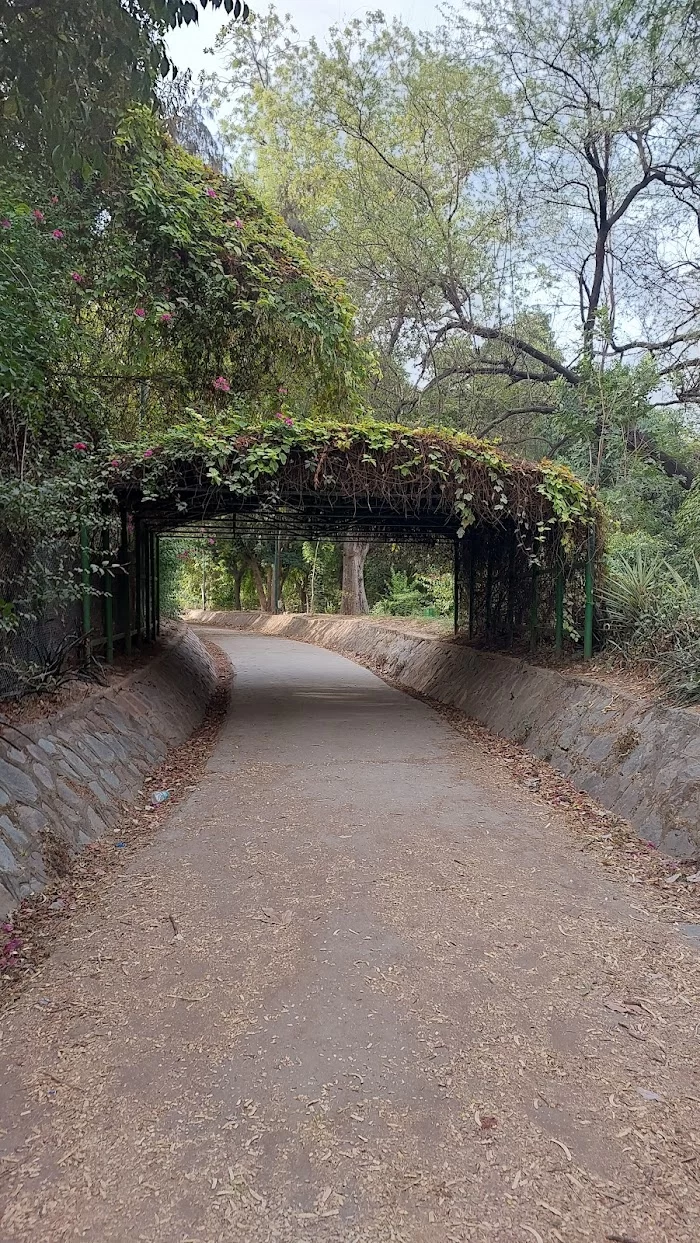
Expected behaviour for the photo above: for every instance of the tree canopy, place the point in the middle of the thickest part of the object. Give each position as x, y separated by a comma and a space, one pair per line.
69, 69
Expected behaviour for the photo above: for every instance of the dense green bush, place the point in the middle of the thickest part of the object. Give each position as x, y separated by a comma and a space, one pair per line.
653, 617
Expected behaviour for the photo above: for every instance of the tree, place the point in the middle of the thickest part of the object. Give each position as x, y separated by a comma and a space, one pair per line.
435, 171
353, 598
606, 92
69, 69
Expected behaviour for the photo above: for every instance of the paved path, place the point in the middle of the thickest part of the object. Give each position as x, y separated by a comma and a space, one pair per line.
400, 1008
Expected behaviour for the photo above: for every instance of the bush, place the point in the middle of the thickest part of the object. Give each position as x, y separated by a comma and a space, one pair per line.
405, 597
653, 617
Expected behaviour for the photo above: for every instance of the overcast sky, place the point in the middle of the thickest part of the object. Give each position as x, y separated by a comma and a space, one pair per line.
311, 17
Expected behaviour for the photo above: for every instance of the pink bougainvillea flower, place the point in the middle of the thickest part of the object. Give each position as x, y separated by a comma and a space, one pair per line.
5, 224
211, 194
289, 422
115, 462
221, 384
148, 453
58, 234
282, 392
238, 223
211, 539
139, 312
54, 199
80, 444
76, 276
166, 317
38, 215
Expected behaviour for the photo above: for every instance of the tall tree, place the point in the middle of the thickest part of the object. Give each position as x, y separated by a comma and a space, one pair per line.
472, 183
69, 69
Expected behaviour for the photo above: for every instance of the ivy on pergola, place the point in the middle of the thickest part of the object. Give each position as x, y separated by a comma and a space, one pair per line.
518, 527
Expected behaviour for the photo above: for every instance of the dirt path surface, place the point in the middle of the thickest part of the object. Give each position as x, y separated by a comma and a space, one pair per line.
401, 1005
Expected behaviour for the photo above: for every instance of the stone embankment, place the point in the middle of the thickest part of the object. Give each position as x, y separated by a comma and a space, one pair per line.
66, 778
640, 760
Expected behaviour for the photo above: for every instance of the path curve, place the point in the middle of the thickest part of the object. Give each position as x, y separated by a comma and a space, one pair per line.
404, 1006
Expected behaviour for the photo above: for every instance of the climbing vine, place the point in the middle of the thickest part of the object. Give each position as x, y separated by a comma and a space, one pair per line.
279, 457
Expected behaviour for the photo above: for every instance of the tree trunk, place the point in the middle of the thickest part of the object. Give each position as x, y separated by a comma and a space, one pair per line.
237, 578
259, 585
353, 598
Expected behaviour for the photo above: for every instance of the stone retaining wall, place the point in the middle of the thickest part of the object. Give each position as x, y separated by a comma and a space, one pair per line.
639, 760
65, 779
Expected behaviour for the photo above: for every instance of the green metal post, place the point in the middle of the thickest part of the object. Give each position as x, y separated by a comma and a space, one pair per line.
157, 603
472, 582
489, 588
147, 586
276, 575
533, 609
588, 616
108, 600
154, 587
511, 590
455, 599
126, 581
559, 611
85, 574
138, 584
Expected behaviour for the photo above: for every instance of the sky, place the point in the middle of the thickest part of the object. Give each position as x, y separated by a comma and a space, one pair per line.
311, 17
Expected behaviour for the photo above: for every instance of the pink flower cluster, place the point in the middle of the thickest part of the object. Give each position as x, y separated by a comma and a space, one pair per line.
221, 384
139, 312
58, 234
77, 277
165, 318
5, 224
211, 194
284, 418
80, 445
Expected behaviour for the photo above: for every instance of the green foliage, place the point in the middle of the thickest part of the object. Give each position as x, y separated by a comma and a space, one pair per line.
405, 596
687, 522
633, 586
258, 458
122, 301
654, 615
69, 69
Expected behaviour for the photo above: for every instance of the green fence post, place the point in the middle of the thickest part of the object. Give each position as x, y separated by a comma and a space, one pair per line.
489, 587
85, 591
154, 593
138, 585
512, 550
588, 615
108, 601
276, 575
533, 609
147, 594
157, 608
559, 611
456, 573
125, 562
472, 582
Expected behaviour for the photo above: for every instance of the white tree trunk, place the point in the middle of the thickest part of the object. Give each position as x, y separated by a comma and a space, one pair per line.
354, 599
